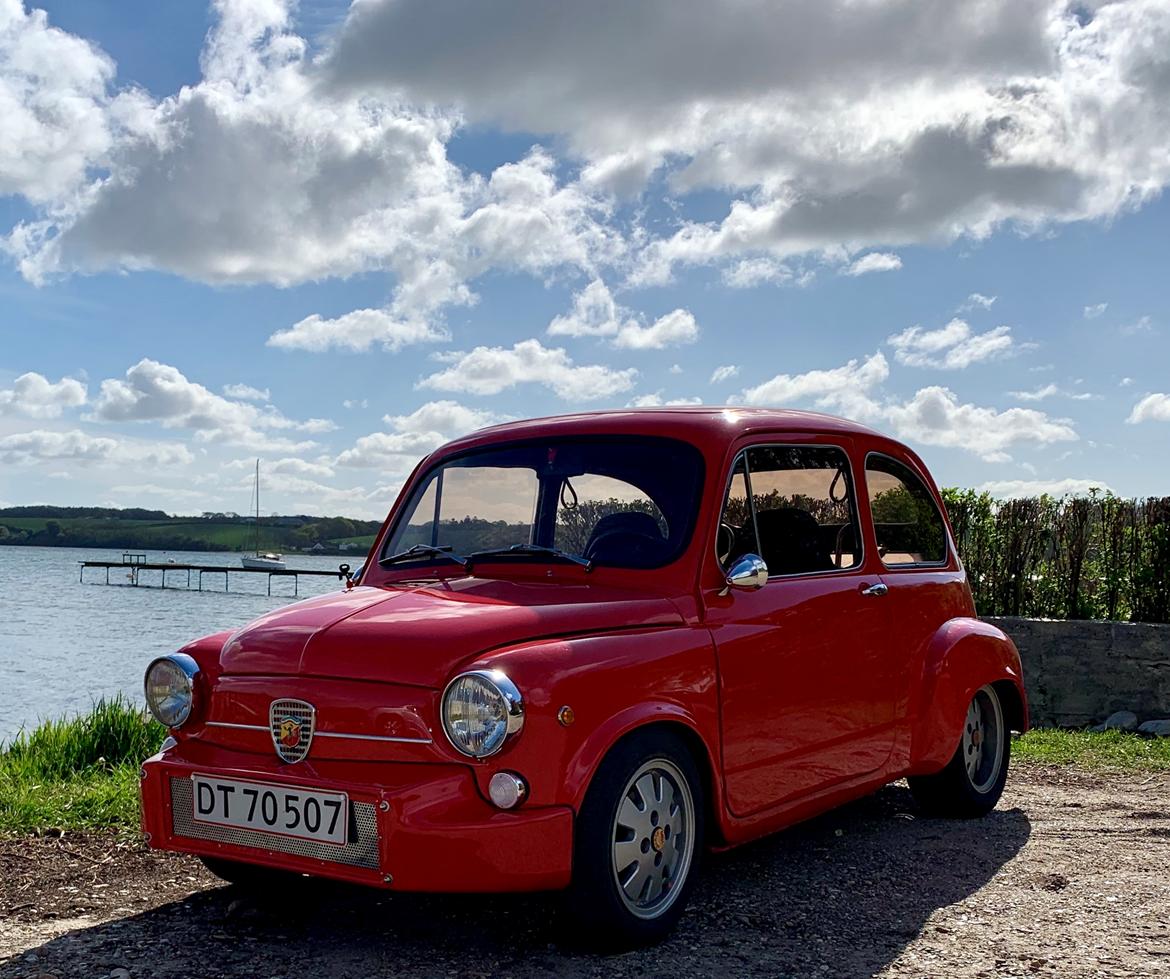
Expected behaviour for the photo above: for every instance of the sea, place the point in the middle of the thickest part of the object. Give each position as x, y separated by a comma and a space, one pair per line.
68, 639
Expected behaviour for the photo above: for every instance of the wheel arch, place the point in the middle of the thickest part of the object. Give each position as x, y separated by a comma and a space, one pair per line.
687, 733
964, 655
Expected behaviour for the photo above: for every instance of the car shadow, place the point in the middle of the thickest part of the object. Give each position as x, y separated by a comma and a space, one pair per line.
841, 895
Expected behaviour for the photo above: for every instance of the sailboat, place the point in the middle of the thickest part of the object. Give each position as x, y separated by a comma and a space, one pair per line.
260, 561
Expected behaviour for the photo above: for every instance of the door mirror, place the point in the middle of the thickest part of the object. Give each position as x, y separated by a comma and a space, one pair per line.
749, 573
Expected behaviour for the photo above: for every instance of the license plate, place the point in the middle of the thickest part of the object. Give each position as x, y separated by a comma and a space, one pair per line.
303, 813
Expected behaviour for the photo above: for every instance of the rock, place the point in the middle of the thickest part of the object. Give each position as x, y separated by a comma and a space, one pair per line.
1159, 729
1122, 720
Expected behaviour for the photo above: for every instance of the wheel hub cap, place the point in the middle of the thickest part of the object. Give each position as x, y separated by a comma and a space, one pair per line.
653, 838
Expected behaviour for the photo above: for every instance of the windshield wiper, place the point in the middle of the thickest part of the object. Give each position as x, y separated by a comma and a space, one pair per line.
426, 550
537, 550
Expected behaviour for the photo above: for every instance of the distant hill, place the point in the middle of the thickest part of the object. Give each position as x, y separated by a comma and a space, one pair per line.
55, 526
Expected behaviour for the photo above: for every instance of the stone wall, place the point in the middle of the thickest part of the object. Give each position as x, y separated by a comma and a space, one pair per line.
1078, 673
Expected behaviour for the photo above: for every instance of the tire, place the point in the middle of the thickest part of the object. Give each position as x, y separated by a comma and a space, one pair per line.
642, 820
251, 877
973, 780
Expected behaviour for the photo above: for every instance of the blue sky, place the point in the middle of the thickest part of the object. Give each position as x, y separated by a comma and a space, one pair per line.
335, 238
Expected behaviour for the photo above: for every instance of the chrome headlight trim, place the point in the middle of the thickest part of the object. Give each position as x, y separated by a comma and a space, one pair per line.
508, 692
190, 670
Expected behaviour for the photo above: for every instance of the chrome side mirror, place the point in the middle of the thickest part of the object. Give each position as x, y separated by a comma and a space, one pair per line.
748, 573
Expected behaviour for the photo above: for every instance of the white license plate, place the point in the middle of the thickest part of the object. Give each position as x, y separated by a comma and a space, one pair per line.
303, 813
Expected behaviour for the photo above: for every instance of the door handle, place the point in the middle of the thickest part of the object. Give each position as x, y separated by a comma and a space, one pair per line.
876, 590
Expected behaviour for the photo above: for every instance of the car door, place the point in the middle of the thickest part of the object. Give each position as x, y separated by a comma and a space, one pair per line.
807, 680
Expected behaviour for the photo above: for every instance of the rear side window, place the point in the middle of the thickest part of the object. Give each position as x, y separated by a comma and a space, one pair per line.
794, 507
908, 525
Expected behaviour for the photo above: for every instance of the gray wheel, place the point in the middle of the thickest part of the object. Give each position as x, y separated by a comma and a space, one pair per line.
653, 838
973, 781
983, 738
636, 847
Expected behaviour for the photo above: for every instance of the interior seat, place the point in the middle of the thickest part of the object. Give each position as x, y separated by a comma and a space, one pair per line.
791, 542
631, 538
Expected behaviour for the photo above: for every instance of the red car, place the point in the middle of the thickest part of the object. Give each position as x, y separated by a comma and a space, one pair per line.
584, 650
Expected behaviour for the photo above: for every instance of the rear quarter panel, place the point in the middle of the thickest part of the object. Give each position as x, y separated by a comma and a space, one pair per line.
964, 655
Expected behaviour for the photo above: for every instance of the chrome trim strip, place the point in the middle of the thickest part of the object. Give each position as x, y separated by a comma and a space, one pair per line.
325, 734
371, 737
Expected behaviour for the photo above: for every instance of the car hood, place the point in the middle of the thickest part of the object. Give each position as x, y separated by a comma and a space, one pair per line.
418, 635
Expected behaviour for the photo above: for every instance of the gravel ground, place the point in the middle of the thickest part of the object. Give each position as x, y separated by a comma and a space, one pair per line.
1069, 877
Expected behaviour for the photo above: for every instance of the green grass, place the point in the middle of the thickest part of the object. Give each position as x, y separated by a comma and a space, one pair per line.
1107, 751
79, 773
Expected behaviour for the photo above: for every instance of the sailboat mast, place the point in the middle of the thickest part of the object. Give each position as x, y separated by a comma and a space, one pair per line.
257, 506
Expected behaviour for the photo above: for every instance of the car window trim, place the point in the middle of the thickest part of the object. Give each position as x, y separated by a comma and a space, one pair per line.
421, 478
860, 533
909, 565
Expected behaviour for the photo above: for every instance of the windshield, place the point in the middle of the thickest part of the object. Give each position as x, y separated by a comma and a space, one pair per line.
617, 502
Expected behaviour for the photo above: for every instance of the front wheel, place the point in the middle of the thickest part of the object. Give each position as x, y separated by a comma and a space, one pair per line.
973, 780
637, 846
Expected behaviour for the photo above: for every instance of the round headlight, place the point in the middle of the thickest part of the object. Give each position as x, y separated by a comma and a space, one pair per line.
170, 688
480, 710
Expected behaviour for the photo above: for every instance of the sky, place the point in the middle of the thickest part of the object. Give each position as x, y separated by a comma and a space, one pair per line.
334, 236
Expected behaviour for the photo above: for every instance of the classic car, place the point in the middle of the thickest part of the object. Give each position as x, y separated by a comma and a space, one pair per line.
582, 652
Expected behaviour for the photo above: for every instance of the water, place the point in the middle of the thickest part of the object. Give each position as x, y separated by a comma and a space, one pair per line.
65, 644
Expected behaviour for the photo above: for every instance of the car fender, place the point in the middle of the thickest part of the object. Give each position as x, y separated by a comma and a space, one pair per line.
963, 655
612, 684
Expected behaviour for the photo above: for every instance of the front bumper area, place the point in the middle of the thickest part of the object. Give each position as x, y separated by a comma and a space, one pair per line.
414, 827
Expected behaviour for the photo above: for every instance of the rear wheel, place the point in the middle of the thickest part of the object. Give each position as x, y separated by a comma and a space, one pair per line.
637, 844
973, 780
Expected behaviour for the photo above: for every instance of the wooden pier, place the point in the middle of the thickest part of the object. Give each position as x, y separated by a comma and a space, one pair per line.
133, 564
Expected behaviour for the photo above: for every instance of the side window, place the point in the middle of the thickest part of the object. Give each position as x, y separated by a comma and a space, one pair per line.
804, 509
909, 528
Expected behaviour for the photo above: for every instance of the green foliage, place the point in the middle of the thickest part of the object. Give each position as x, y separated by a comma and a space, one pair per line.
1094, 556
139, 529
77, 773
1115, 750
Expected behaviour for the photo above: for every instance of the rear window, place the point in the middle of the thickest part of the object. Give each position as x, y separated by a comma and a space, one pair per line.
909, 528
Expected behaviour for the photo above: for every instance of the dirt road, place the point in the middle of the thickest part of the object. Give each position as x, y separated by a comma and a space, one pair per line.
1069, 877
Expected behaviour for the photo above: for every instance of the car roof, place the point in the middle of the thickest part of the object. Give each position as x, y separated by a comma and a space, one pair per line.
703, 423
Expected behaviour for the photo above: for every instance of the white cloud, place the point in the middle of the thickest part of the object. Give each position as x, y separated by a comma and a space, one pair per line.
1142, 325
1016, 488
847, 389
1092, 312
1151, 408
596, 313
977, 301
675, 328
1126, 382
724, 373
357, 330
951, 347
875, 262
656, 400
490, 370
676, 368
35, 396
79, 447
152, 391
415, 434
934, 416
449, 418
245, 392
57, 115
1051, 391
750, 272
844, 123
